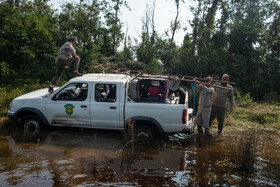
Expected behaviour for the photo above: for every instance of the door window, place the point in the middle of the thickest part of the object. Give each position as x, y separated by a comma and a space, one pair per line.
105, 92
73, 92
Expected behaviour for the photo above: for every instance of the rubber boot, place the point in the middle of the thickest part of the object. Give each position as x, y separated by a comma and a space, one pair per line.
199, 131
220, 128
207, 133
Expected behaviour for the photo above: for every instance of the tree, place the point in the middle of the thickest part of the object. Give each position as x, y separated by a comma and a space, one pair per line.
27, 46
114, 24
242, 41
168, 50
176, 24
146, 50
83, 20
248, 24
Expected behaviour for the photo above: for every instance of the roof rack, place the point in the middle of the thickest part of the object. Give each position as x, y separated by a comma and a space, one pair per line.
173, 78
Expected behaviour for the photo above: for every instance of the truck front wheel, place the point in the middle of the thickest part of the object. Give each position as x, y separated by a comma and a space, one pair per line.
31, 125
143, 133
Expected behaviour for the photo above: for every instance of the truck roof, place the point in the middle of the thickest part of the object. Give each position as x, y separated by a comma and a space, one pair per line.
103, 77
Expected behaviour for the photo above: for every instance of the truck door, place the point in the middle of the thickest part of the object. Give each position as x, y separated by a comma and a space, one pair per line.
70, 106
105, 106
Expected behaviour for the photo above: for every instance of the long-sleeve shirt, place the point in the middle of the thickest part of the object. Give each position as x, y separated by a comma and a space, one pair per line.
205, 96
66, 51
221, 96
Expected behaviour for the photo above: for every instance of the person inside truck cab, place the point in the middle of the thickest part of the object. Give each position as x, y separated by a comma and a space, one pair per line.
143, 91
105, 93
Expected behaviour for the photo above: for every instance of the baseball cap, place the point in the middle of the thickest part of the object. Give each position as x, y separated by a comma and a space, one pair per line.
74, 39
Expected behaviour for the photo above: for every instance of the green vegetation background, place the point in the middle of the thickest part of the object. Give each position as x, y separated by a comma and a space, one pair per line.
241, 38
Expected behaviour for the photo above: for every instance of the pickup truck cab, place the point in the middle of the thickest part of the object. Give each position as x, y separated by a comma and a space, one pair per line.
107, 101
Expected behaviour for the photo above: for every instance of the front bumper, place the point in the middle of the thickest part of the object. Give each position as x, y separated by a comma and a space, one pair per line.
11, 115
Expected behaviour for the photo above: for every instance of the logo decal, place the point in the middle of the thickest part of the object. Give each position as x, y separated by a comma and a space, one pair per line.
69, 109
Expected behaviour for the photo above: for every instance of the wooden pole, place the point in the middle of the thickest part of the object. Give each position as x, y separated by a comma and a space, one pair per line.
205, 79
125, 71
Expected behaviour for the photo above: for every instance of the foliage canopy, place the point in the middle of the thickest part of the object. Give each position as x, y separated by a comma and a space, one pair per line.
241, 38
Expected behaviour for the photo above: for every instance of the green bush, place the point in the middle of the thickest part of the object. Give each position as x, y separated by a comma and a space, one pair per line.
244, 100
153, 67
272, 97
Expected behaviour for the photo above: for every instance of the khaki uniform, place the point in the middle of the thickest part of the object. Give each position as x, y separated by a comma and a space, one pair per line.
204, 105
220, 99
65, 57
65, 52
221, 96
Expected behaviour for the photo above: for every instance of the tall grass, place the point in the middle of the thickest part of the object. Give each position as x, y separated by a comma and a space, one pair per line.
8, 93
261, 115
247, 154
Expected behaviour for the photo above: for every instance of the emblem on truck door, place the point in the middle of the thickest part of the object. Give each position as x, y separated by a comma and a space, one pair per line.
69, 109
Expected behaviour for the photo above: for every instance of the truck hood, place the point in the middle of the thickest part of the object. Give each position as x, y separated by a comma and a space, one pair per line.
42, 93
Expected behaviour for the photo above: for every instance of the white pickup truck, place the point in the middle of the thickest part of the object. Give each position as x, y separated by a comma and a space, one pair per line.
108, 101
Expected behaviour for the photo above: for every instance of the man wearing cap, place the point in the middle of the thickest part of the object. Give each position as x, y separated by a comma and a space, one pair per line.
66, 57
204, 106
220, 99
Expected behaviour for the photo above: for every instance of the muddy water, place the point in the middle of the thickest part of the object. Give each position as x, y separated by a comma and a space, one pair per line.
82, 157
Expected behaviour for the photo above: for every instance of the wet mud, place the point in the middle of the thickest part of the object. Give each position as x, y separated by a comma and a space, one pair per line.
86, 157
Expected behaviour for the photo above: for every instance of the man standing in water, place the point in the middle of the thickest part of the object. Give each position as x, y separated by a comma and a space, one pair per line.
66, 57
204, 106
220, 99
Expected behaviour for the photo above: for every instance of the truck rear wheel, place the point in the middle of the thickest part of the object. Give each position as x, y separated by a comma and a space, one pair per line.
31, 125
143, 133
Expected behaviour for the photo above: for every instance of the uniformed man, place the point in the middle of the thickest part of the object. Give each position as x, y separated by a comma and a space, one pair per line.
66, 57
220, 99
204, 106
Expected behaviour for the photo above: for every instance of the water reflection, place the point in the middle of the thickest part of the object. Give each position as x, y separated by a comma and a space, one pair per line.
79, 157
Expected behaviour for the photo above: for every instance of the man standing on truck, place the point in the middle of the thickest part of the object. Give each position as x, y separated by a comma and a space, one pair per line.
66, 57
220, 99
204, 106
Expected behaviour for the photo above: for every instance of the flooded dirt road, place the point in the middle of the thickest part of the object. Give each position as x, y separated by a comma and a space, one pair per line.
83, 157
